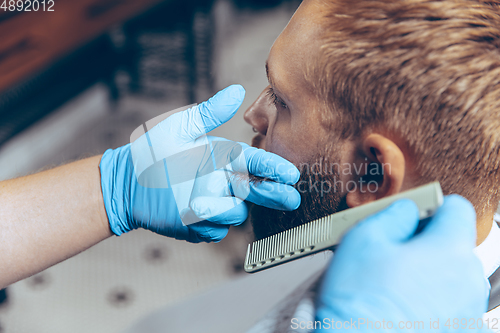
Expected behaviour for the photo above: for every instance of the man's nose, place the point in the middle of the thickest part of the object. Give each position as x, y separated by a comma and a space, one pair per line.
257, 115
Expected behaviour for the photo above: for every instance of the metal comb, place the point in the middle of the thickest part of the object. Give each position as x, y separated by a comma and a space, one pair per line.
325, 233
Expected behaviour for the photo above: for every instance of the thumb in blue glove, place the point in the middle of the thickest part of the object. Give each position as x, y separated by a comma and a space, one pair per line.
382, 274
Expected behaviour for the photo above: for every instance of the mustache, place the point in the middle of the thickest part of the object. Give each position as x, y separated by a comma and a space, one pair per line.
240, 177
257, 141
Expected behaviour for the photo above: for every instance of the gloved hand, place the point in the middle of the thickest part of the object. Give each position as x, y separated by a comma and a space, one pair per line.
383, 274
177, 181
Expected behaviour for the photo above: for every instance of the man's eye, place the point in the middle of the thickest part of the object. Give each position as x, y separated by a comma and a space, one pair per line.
278, 102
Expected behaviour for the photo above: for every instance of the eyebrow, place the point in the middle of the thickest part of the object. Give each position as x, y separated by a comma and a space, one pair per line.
269, 78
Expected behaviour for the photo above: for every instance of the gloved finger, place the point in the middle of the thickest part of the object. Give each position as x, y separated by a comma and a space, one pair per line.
396, 223
266, 193
249, 160
209, 232
262, 192
264, 164
209, 115
226, 210
454, 221
225, 154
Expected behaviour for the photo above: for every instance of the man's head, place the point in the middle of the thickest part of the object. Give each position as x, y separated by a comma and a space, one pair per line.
386, 94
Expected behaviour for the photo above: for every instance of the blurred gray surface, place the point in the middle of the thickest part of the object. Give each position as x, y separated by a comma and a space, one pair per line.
234, 306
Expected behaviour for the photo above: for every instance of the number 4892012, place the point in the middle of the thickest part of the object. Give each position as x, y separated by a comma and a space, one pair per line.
28, 5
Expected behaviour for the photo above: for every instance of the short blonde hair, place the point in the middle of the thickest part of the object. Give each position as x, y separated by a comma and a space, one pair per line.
428, 71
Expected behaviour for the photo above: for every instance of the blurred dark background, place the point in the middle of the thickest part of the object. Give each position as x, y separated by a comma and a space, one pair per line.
152, 48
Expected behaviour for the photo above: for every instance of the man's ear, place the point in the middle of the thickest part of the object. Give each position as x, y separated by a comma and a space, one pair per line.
384, 174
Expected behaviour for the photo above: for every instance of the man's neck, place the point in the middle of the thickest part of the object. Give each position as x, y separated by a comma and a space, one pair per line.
483, 229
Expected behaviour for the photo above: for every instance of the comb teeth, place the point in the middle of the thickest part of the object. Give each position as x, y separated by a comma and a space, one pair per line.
288, 243
326, 233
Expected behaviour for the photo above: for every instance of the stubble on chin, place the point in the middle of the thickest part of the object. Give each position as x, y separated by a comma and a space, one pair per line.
316, 202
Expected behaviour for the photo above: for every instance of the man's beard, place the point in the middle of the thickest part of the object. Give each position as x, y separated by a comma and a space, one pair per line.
319, 198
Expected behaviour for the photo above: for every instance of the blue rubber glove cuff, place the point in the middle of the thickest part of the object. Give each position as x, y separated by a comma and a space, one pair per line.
113, 163
114, 202
118, 186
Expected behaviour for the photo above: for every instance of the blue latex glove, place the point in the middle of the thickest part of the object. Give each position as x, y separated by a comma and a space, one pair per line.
380, 272
177, 181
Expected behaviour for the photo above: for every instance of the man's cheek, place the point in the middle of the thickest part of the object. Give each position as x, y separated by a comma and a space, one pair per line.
293, 146
280, 145
286, 151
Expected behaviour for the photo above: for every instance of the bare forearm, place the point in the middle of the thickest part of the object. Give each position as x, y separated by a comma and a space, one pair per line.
48, 217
